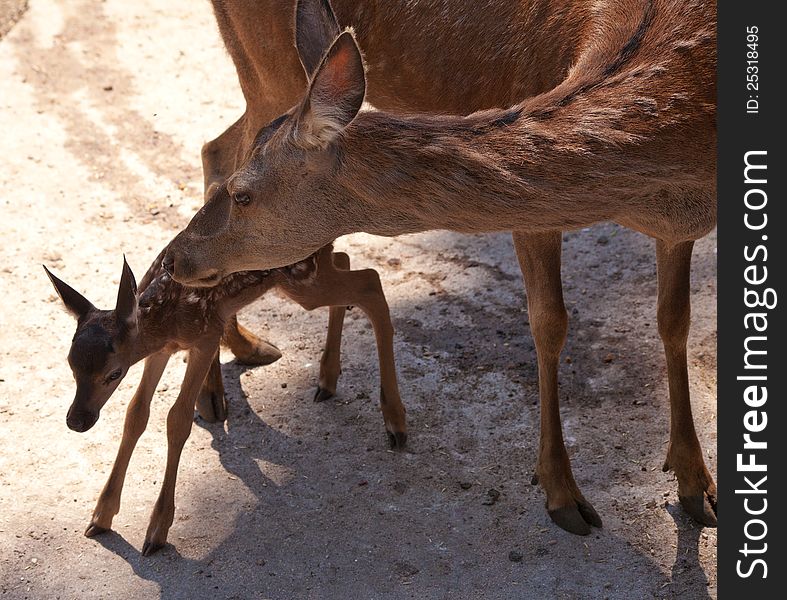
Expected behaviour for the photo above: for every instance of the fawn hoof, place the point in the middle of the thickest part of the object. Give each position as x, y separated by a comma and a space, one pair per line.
576, 519
322, 394
212, 407
701, 507
397, 440
93, 530
149, 548
262, 353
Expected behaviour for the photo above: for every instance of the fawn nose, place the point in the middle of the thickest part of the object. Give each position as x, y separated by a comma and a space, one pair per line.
80, 421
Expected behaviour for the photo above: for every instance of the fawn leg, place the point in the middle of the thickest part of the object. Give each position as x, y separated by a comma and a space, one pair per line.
696, 489
363, 289
211, 401
137, 414
539, 259
330, 363
179, 422
247, 347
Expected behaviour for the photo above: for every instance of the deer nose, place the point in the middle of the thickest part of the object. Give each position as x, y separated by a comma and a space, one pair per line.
80, 421
168, 264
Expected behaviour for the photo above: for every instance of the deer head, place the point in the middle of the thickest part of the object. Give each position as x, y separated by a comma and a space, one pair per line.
102, 349
283, 203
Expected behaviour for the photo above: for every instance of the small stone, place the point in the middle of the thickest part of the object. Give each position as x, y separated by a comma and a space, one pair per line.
395, 262
602, 240
492, 496
515, 556
465, 485
609, 358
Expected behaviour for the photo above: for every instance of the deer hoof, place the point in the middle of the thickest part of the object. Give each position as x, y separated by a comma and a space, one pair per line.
701, 507
212, 407
263, 353
322, 394
397, 440
149, 548
576, 519
94, 530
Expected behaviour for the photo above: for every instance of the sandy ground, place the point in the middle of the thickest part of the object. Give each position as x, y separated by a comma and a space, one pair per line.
103, 109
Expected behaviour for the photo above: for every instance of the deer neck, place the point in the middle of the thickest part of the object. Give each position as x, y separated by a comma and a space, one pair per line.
491, 171
607, 142
150, 338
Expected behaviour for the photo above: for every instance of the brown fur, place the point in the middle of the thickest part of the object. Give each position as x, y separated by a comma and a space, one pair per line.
162, 317
611, 117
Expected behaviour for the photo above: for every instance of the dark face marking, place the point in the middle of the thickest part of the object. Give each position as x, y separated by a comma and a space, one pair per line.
90, 349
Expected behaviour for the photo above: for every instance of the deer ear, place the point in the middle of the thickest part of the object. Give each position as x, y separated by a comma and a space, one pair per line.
335, 94
75, 303
126, 306
315, 28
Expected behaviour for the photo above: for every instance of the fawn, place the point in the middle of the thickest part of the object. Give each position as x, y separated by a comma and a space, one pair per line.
162, 316
625, 134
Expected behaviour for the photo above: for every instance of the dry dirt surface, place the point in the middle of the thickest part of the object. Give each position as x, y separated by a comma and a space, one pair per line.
103, 109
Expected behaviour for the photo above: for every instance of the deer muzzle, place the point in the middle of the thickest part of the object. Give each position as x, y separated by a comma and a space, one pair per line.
80, 420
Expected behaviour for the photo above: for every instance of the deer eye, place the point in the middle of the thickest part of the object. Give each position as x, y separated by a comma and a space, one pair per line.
114, 375
241, 199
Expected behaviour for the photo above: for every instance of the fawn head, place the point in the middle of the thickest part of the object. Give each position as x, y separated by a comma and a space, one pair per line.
102, 349
283, 204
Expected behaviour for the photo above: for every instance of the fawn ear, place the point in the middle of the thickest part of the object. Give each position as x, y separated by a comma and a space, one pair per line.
76, 303
315, 28
126, 306
335, 94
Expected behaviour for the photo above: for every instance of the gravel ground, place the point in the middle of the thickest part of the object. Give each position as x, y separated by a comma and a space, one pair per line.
104, 107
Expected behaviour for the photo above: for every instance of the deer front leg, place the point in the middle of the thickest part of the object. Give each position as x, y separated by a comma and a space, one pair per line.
179, 422
330, 363
219, 160
211, 401
247, 347
696, 488
539, 259
137, 414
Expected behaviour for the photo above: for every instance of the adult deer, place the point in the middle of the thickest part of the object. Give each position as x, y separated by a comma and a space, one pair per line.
162, 317
623, 130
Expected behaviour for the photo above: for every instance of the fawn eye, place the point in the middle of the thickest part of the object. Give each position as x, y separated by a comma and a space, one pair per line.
241, 199
114, 375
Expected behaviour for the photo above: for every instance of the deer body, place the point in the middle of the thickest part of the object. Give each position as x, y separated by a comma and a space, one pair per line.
606, 111
163, 317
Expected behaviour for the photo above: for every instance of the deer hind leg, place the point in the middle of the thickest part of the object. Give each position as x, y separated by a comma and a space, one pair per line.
539, 259
137, 414
179, 422
211, 401
338, 288
330, 363
696, 489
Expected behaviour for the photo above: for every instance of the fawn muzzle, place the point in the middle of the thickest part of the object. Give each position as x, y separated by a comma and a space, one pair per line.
80, 420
